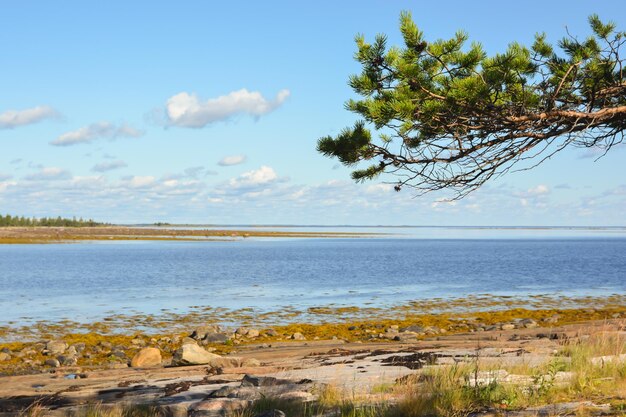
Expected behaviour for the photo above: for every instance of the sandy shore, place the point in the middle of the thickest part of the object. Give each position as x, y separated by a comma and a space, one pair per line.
357, 368
26, 235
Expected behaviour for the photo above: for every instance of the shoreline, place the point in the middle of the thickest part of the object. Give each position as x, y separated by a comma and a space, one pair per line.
381, 375
446, 309
193, 367
41, 235
209, 233
432, 318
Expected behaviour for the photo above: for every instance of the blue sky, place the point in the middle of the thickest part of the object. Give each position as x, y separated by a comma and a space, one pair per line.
95, 120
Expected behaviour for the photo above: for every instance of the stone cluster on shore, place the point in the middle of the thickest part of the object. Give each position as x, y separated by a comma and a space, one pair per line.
199, 346
188, 375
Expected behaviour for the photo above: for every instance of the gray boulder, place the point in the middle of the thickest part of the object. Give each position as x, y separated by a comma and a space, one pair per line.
202, 332
192, 354
216, 338
53, 363
56, 347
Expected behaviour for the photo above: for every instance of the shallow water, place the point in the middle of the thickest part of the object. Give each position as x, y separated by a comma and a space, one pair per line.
87, 281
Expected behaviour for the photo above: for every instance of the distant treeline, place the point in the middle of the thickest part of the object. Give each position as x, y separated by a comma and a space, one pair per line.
8, 220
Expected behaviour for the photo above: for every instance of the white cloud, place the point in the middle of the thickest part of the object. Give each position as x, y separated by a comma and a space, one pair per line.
262, 176
194, 172
6, 184
379, 188
96, 131
108, 166
4, 177
14, 118
141, 181
187, 110
49, 174
232, 160
541, 189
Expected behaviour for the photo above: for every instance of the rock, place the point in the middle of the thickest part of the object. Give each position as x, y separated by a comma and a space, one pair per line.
252, 333
413, 329
25, 352
217, 407
188, 341
119, 354
146, 358
71, 351
245, 331
507, 326
405, 337
117, 365
202, 332
483, 378
609, 359
226, 362
67, 360
216, 338
300, 396
570, 408
244, 393
138, 342
298, 336
106, 345
431, 330
251, 362
56, 347
192, 354
53, 363
271, 333
79, 347
262, 381
552, 319
271, 413
4, 356
528, 323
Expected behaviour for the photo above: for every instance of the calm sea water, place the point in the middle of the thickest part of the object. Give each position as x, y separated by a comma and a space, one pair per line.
87, 281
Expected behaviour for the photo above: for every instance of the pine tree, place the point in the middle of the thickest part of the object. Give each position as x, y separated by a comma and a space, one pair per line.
448, 116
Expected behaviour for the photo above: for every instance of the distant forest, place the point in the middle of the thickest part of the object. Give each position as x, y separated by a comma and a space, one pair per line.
8, 220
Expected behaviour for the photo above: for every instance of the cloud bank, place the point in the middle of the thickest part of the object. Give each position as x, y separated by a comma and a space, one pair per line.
232, 160
262, 176
11, 119
96, 131
49, 174
108, 166
187, 110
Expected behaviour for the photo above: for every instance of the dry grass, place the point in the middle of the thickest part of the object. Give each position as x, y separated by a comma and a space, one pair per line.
598, 365
598, 374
